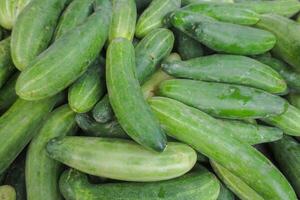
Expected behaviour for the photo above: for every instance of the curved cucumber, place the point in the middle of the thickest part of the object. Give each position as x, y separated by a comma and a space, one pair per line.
6, 64
33, 30
8, 93
66, 59
203, 133
153, 15
229, 69
225, 193
102, 111
224, 100
7, 193
123, 86
122, 159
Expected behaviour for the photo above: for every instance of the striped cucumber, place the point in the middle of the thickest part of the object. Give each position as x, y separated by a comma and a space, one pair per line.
225, 193
122, 159
123, 86
234, 69
42, 172
152, 17
224, 100
6, 64
33, 30
75, 185
8, 93
67, 58
203, 133
123, 19
7, 192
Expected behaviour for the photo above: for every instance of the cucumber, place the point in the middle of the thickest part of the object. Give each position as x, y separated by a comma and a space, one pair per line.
102, 111
75, 185
233, 39
225, 193
234, 69
86, 91
7, 192
287, 34
67, 58
203, 133
186, 2
8, 93
287, 154
42, 172
294, 99
122, 159
16, 130
33, 30
6, 64
123, 19
224, 100
152, 17
123, 86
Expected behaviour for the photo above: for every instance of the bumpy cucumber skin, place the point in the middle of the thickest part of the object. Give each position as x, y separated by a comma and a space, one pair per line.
225, 193
18, 125
7, 192
66, 59
8, 93
42, 172
123, 86
224, 100
152, 17
123, 19
33, 30
102, 111
287, 155
122, 159
234, 69
203, 133
199, 184
6, 64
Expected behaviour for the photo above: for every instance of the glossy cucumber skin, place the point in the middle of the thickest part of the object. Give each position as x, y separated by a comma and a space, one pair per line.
16, 130
6, 64
234, 38
122, 86
203, 133
8, 93
153, 15
122, 159
225, 193
102, 111
233, 69
123, 19
7, 192
42, 172
288, 39
287, 155
33, 30
66, 59
224, 100
74, 185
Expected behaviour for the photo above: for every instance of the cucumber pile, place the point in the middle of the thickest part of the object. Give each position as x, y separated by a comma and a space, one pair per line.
149, 99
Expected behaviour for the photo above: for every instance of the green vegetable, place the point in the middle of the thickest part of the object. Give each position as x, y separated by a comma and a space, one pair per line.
122, 159
225, 193
102, 112
7, 193
8, 94
186, 2
294, 99
6, 64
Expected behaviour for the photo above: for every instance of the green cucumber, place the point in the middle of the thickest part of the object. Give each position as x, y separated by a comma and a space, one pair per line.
86, 91
123, 86
233, 39
33, 30
287, 155
152, 17
122, 159
203, 133
294, 99
102, 111
186, 2
7, 192
287, 34
199, 184
67, 58
6, 64
123, 19
42, 172
225, 193
8, 93
224, 100
229, 69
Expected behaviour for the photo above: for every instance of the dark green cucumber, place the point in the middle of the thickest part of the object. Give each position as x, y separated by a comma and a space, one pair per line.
42, 172
203, 133
153, 15
225, 193
7, 192
224, 100
33, 30
233, 39
234, 69
86, 91
123, 86
67, 58
8, 93
288, 38
18, 125
123, 19
196, 185
103, 112
6, 64
122, 159
294, 99
287, 155
186, 2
